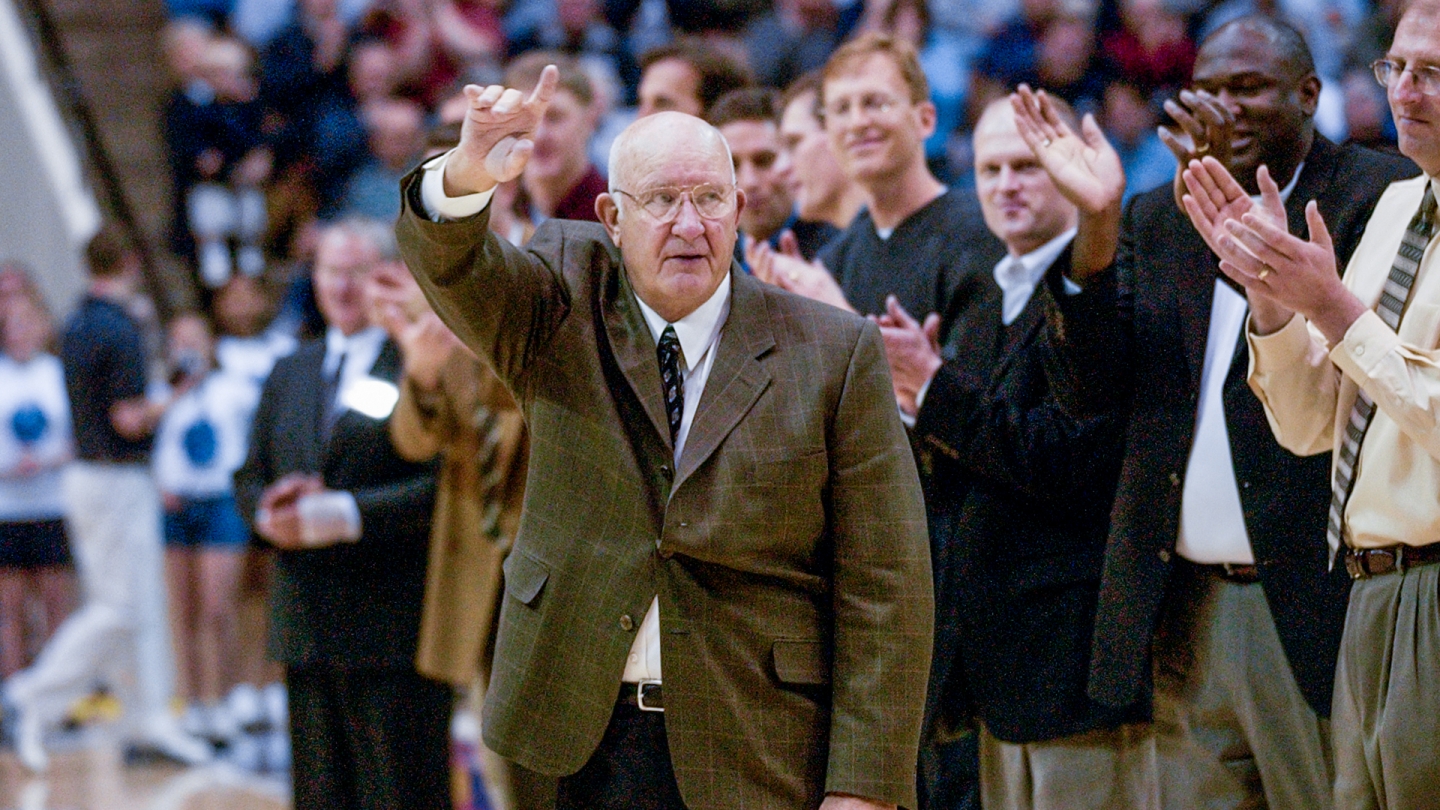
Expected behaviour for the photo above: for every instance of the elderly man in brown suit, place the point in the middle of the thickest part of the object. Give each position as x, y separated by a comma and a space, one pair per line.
719, 484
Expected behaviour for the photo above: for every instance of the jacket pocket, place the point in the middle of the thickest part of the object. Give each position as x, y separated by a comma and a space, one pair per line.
525, 577
800, 662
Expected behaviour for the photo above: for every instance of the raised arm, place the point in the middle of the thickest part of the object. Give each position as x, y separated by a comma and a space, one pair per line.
1084, 168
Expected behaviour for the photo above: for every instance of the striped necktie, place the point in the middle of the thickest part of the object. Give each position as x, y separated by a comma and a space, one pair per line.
668, 352
1391, 307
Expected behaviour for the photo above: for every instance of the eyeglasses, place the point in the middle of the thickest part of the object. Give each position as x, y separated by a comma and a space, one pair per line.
1426, 78
711, 201
873, 105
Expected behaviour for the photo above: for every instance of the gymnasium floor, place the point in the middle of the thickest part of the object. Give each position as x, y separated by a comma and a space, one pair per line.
86, 773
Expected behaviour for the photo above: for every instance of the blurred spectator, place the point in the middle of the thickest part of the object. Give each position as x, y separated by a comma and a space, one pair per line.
573, 27
1130, 120
221, 161
822, 192
1151, 50
310, 108
395, 130
1371, 38
1367, 115
688, 76
35, 590
559, 180
247, 346
1051, 46
793, 38
746, 118
113, 512
199, 444
372, 71
692, 17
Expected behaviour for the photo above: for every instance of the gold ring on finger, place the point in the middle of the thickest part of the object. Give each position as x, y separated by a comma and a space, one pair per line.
1045, 143
1202, 150
1264, 271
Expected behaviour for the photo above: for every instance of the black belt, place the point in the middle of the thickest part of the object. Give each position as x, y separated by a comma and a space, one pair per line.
1238, 573
645, 696
1363, 563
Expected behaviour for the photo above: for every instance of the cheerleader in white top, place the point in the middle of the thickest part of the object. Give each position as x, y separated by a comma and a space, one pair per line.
198, 446
35, 441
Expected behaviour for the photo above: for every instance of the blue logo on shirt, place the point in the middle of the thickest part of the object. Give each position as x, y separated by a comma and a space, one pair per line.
29, 423
201, 443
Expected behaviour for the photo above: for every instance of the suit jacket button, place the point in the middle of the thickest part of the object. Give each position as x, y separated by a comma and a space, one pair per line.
666, 471
626, 623
1164, 555
1174, 479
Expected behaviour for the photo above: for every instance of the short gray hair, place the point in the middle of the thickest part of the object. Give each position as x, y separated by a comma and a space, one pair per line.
378, 233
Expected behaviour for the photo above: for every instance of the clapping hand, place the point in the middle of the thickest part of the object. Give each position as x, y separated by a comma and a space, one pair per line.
913, 351
1205, 128
425, 342
1214, 196
788, 270
1085, 167
495, 140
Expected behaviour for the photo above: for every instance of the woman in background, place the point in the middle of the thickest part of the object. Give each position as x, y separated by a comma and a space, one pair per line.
35, 441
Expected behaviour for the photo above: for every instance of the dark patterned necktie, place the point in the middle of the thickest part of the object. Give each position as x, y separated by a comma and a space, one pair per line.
668, 351
1392, 306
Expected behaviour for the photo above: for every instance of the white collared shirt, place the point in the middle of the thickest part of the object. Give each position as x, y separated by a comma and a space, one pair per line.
1212, 520
1019, 275
699, 334
360, 351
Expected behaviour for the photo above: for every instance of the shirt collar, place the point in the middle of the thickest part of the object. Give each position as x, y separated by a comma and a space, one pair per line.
697, 330
366, 342
1034, 263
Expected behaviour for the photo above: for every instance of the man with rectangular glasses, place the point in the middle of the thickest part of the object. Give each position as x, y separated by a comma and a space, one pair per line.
720, 592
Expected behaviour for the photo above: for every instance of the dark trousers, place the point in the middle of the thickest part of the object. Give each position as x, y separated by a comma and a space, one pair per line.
630, 770
369, 738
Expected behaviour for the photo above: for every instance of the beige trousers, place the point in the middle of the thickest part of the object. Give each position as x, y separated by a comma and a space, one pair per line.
1387, 694
1109, 769
1231, 727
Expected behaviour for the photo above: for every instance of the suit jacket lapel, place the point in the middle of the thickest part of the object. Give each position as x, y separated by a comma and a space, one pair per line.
736, 379
634, 347
1314, 179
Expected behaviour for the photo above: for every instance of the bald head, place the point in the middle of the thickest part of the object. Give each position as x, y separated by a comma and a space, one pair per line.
1281, 40
664, 136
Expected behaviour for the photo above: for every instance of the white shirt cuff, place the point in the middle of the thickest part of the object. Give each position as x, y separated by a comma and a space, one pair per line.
328, 517
439, 207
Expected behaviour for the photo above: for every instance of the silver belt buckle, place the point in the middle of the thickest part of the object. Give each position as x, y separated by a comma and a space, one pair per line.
640, 697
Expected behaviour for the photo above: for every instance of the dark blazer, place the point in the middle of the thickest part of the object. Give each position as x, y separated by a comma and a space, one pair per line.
788, 547
351, 603
1135, 339
1019, 497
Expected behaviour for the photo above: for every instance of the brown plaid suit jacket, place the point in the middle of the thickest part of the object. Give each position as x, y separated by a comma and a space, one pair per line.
788, 549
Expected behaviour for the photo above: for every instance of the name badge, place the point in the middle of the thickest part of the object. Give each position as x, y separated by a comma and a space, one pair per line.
370, 396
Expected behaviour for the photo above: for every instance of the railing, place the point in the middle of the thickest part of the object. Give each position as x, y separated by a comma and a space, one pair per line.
70, 97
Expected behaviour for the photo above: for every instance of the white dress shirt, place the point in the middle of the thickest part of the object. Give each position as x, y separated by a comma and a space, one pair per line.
1212, 520
699, 336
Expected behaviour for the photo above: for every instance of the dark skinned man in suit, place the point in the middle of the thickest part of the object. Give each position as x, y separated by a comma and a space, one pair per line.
1216, 599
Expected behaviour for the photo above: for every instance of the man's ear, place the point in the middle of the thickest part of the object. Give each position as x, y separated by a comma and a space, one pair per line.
739, 203
928, 118
1309, 93
608, 210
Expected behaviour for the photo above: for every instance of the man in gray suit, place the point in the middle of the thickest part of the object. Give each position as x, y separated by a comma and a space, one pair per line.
720, 486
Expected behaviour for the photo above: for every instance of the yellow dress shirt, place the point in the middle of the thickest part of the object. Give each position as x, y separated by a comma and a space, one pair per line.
1308, 387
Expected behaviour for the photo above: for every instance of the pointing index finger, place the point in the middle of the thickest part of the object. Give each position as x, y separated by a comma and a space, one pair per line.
545, 87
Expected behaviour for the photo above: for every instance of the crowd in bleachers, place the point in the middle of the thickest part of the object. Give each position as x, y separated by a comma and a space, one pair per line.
285, 117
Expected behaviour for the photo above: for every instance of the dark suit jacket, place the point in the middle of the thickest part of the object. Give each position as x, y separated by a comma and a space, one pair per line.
352, 603
1019, 497
787, 548
1135, 339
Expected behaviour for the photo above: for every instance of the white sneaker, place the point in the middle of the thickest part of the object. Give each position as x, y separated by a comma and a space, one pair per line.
220, 725
29, 742
163, 734
245, 708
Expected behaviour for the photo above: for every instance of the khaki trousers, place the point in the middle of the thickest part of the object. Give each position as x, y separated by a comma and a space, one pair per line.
1231, 727
1387, 694
1107, 769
